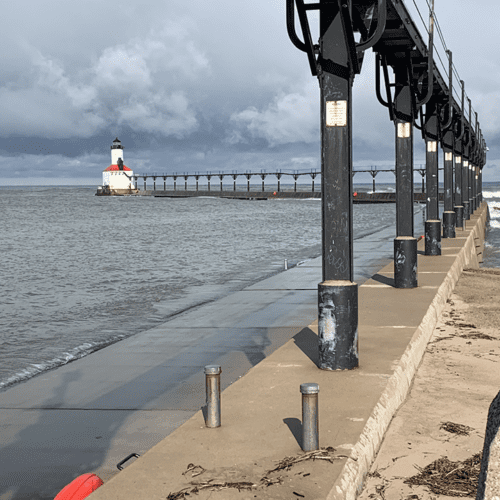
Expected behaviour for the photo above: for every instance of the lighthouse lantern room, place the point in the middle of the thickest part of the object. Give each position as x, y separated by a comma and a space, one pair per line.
117, 178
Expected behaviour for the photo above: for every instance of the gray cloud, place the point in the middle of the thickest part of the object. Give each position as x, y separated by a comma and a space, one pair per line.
196, 86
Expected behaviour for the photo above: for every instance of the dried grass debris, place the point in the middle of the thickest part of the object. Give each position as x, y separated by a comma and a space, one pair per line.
444, 477
462, 430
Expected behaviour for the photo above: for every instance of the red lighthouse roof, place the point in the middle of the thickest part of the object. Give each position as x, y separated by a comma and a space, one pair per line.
115, 167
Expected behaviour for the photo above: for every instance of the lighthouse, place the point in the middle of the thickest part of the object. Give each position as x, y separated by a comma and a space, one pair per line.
117, 178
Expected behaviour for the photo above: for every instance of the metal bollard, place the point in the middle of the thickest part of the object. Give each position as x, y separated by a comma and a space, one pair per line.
212, 384
286, 264
310, 422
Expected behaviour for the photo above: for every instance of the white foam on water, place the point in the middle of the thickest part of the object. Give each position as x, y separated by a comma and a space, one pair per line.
495, 224
494, 207
491, 194
65, 358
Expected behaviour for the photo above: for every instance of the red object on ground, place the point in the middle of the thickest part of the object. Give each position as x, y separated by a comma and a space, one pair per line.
274, 193
80, 488
355, 193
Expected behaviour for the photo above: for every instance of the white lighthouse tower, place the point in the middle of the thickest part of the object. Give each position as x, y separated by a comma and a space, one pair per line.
117, 178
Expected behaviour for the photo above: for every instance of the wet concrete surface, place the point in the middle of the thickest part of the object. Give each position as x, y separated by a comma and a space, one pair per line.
88, 415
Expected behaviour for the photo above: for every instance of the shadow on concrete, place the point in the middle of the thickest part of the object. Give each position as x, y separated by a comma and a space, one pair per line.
295, 426
307, 341
386, 280
44, 447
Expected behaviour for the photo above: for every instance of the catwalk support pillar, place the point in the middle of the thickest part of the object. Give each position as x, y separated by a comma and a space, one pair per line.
433, 223
465, 189
448, 214
405, 245
337, 294
459, 208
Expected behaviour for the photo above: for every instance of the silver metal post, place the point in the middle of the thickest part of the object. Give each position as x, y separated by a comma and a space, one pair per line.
310, 421
212, 384
286, 264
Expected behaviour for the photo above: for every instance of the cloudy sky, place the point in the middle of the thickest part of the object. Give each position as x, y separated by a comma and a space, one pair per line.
196, 86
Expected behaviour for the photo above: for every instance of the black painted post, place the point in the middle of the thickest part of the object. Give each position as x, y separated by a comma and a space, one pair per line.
164, 183
337, 294
459, 208
197, 178
175, 183
405, 245
208, 180
373, 173
220, 177
433, 223
234, 181
466, 173
263, 176
154, 183
312, 182
465, 186
448, 214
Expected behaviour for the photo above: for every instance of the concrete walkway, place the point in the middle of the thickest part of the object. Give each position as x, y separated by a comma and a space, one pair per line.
261, 412
88, 415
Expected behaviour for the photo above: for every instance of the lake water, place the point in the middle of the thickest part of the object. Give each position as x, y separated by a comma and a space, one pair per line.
80, 272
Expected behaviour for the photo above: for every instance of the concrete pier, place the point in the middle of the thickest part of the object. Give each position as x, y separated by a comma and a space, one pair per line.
116, 401
262, 427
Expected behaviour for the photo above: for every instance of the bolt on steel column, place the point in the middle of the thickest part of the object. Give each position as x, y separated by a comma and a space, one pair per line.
337, 294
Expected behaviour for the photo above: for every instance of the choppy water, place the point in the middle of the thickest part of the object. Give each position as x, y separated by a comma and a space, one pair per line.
80, 272
491, 194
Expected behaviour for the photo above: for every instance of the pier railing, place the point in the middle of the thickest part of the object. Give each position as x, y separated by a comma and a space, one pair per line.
178, 180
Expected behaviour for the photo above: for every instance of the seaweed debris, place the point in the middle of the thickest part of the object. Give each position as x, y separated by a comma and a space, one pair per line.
462, 430
444, 477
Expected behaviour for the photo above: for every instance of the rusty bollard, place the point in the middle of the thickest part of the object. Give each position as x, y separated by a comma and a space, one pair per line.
212, 384
310, 421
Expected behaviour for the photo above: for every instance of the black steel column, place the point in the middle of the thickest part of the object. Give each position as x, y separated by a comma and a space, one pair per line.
448, 214
448, 142
459, 208
465, 188
337, 294
433, 223
405, 245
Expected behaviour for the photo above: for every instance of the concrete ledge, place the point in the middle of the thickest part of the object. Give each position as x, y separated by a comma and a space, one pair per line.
356, 406
350, 482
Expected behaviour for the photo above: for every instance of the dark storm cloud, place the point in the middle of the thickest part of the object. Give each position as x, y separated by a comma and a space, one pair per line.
194, 86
